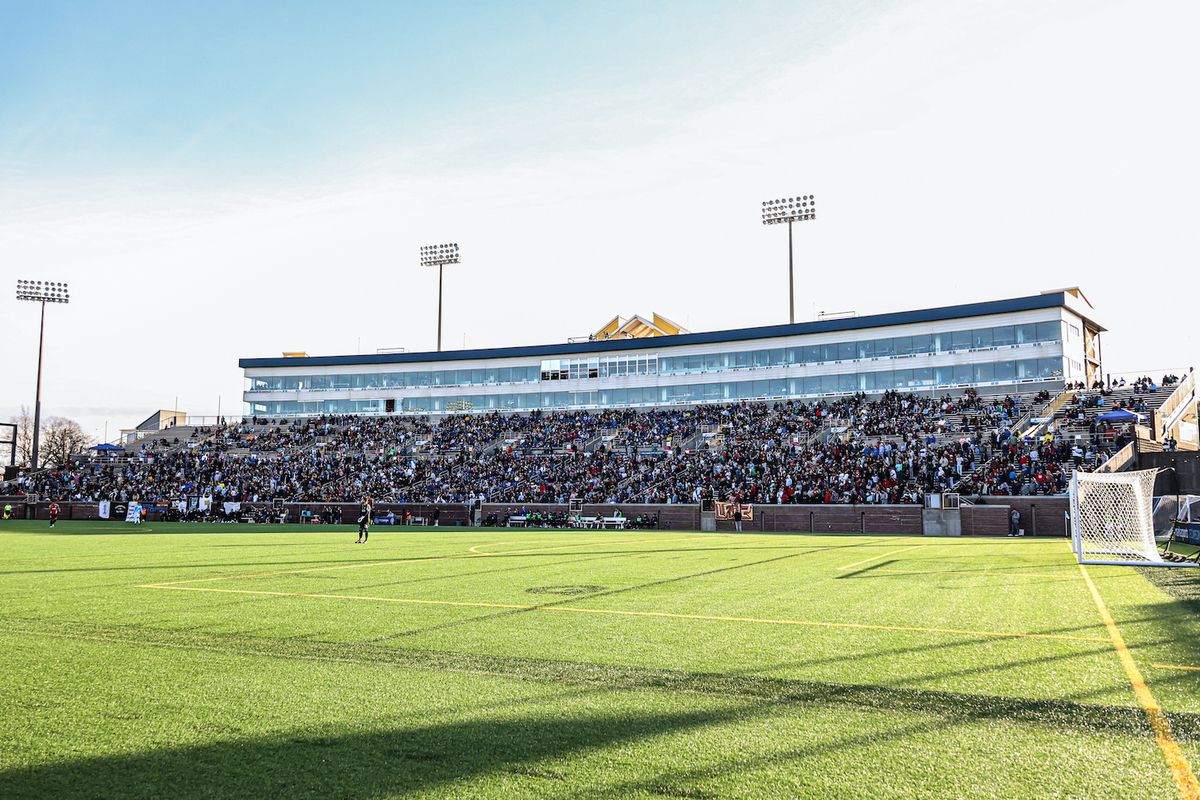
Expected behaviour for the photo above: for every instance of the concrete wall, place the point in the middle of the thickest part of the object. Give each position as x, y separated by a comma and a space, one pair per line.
1185, 464
1040, 516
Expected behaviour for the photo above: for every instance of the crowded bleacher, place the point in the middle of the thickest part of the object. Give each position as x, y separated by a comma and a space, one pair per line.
893, 448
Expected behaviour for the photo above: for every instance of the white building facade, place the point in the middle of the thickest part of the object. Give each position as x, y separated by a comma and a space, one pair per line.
1017, 345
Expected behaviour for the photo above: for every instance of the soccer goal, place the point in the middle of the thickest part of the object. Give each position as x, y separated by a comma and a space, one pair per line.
1112, 520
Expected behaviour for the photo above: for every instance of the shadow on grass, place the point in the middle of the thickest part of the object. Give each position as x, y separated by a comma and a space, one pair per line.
324, 764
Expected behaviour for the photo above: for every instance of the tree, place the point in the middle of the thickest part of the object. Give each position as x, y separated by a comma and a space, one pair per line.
24, 422
61, 439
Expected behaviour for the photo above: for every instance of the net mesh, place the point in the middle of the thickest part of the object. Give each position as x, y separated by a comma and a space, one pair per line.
1111, 517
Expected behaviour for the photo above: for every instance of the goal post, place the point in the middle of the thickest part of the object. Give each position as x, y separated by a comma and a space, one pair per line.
1112, 519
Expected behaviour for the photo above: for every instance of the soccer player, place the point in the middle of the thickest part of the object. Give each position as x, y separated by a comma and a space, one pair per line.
364, 521
53, 514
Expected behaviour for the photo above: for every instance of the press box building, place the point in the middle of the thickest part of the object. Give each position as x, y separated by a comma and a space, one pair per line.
1021, 344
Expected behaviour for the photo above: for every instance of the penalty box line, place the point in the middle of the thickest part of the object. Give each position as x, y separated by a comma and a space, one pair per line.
631, 613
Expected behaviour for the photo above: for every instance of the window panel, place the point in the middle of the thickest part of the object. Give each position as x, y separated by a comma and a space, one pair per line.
984, 373
1004, 335
1049, 331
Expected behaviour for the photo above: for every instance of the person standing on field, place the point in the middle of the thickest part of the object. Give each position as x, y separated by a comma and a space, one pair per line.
364, 521
53, 514
737, 517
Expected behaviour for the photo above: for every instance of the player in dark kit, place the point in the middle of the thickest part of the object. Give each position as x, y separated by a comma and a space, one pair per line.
53, 514
364, 521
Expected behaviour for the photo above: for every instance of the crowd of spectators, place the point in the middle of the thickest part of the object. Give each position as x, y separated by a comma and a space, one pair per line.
892, 448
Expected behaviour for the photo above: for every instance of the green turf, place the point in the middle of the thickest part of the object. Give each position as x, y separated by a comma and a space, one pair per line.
506, 663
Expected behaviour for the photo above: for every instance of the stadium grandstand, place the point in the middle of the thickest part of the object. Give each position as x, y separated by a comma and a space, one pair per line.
998, 399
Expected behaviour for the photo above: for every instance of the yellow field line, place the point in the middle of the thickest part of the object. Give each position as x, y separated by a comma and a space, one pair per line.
624, 613
455, 556
1175, 666
881, 555
1181, 771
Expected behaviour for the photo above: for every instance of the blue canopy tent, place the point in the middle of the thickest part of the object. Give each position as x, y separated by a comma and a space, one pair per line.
1120, 415
107, 448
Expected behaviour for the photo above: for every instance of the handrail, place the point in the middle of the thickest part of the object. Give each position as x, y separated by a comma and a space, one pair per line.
1177, 403
1118, 460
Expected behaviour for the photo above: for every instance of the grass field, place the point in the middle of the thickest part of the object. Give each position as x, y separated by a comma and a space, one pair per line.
192, 661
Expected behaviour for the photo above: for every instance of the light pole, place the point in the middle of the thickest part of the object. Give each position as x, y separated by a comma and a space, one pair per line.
789, 210
40, 292
439, 255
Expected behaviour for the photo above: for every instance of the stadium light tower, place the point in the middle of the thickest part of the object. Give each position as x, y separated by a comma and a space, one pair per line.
439, 255
40, 292
789, 210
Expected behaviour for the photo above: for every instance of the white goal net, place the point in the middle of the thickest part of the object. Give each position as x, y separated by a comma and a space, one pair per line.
1112, 518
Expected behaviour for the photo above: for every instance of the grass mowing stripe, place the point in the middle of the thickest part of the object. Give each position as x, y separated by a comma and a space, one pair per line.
947, 705
509, 610
627, 613
1175, 666
1181, 770
362, 564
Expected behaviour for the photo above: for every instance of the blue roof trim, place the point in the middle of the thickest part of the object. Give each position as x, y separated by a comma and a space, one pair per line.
1033, 302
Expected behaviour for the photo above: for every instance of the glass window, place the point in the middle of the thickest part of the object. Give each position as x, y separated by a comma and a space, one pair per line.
885, 348
778, 387
984, 373
867, 381
865, 349
829, 384
1006, 370
1050, 367
981, 338
1004, 335
779, 357
762, 358
1049, 331
811, 385
1027, 333
743, 360
902, 378
848, 382
923, 376
922, 343
903, 345
846, 351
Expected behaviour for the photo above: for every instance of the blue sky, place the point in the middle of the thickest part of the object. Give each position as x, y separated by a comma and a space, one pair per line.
225, 87
219, 180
